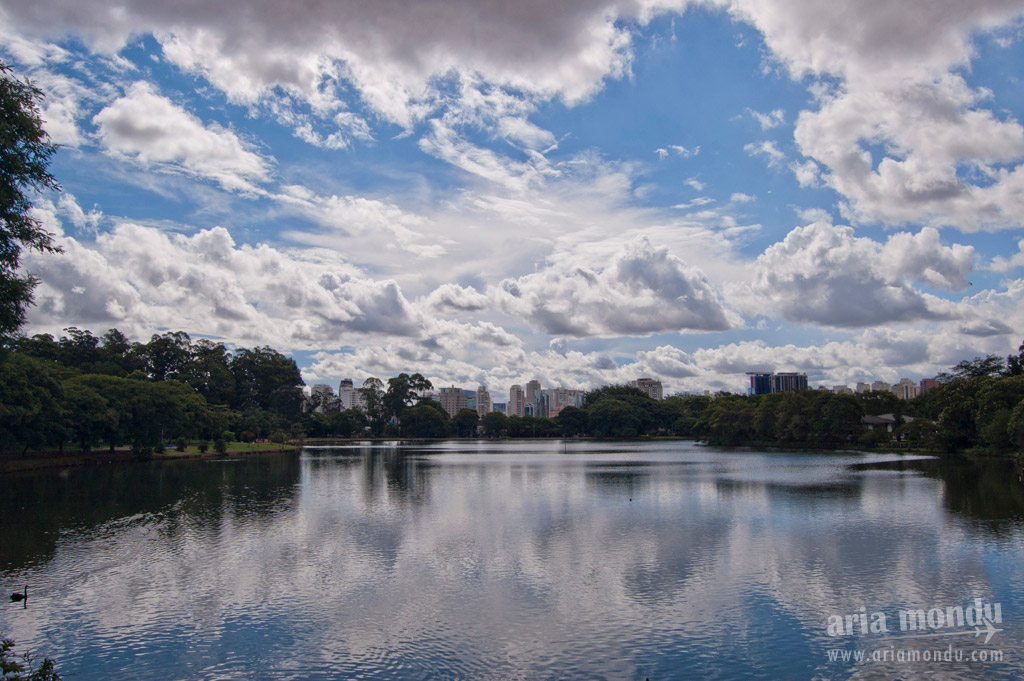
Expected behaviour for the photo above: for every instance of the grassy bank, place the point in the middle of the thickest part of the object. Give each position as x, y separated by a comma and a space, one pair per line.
12, 463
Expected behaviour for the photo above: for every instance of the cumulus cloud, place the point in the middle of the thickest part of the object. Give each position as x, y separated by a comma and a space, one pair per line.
390, 51
152, 130
823, 274
896, 93
146, 279
1003, 264
457, 298
643, 290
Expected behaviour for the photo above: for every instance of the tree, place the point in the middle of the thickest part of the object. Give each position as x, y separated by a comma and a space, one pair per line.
494, 424
265, 379
615, 418
25, 153
209, 372
572, 420
979, 367
403, 392
425, 421
167, 355
1015, 363
373, 397
31, 397
464, 423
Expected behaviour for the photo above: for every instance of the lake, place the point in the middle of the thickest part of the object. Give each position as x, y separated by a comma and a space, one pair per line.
520, 560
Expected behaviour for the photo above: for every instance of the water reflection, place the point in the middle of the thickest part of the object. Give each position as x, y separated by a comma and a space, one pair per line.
516, 560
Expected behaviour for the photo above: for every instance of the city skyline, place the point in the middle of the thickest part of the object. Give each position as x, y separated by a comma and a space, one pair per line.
581, 194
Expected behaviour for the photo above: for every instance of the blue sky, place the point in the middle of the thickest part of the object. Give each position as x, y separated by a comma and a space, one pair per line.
581, 193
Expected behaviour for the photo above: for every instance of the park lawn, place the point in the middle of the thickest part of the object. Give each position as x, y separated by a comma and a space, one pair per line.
233, 448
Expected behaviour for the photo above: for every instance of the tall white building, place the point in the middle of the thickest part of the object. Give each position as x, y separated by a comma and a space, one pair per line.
532, 390
483, 400
350, 396
516, 401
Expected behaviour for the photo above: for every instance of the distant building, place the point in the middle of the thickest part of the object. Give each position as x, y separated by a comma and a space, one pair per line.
532, 391
483, 401
841, 390
928, 384
322, 398
651, 386
542, 404
560, 398
516, 401
783, 382
881, 387
863, 387
906, 389
452, 400
349, 396
498, 407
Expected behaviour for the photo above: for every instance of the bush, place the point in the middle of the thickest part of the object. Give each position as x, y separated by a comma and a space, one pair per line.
203, 446
876, 437
278, 437
181, 444
220, 446
12, 670
228, 436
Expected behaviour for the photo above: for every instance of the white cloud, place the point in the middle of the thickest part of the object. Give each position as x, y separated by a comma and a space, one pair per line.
808, 174
145, 279
453, 297
695, 203
898, 130
768, 149
376, 228
1004, 264
772, 119
823, 274
520, 130
445, 143
678, 150
390, 51
696, 184
152, 130
641, 291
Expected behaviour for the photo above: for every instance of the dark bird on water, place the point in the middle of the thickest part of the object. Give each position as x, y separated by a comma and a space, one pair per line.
21, 596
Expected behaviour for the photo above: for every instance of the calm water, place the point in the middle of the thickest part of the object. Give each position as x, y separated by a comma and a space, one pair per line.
513, 561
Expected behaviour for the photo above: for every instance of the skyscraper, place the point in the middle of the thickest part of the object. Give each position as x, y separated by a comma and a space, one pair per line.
516, 401
483, 400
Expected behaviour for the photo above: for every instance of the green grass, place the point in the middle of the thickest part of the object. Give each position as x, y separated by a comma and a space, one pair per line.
233, 448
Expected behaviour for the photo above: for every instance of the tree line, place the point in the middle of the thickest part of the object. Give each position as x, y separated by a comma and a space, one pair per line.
81, 390
979, 404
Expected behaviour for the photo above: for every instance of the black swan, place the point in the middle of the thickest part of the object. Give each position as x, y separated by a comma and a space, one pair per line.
21, 596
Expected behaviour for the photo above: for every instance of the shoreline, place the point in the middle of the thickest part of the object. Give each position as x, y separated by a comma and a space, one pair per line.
10, 464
